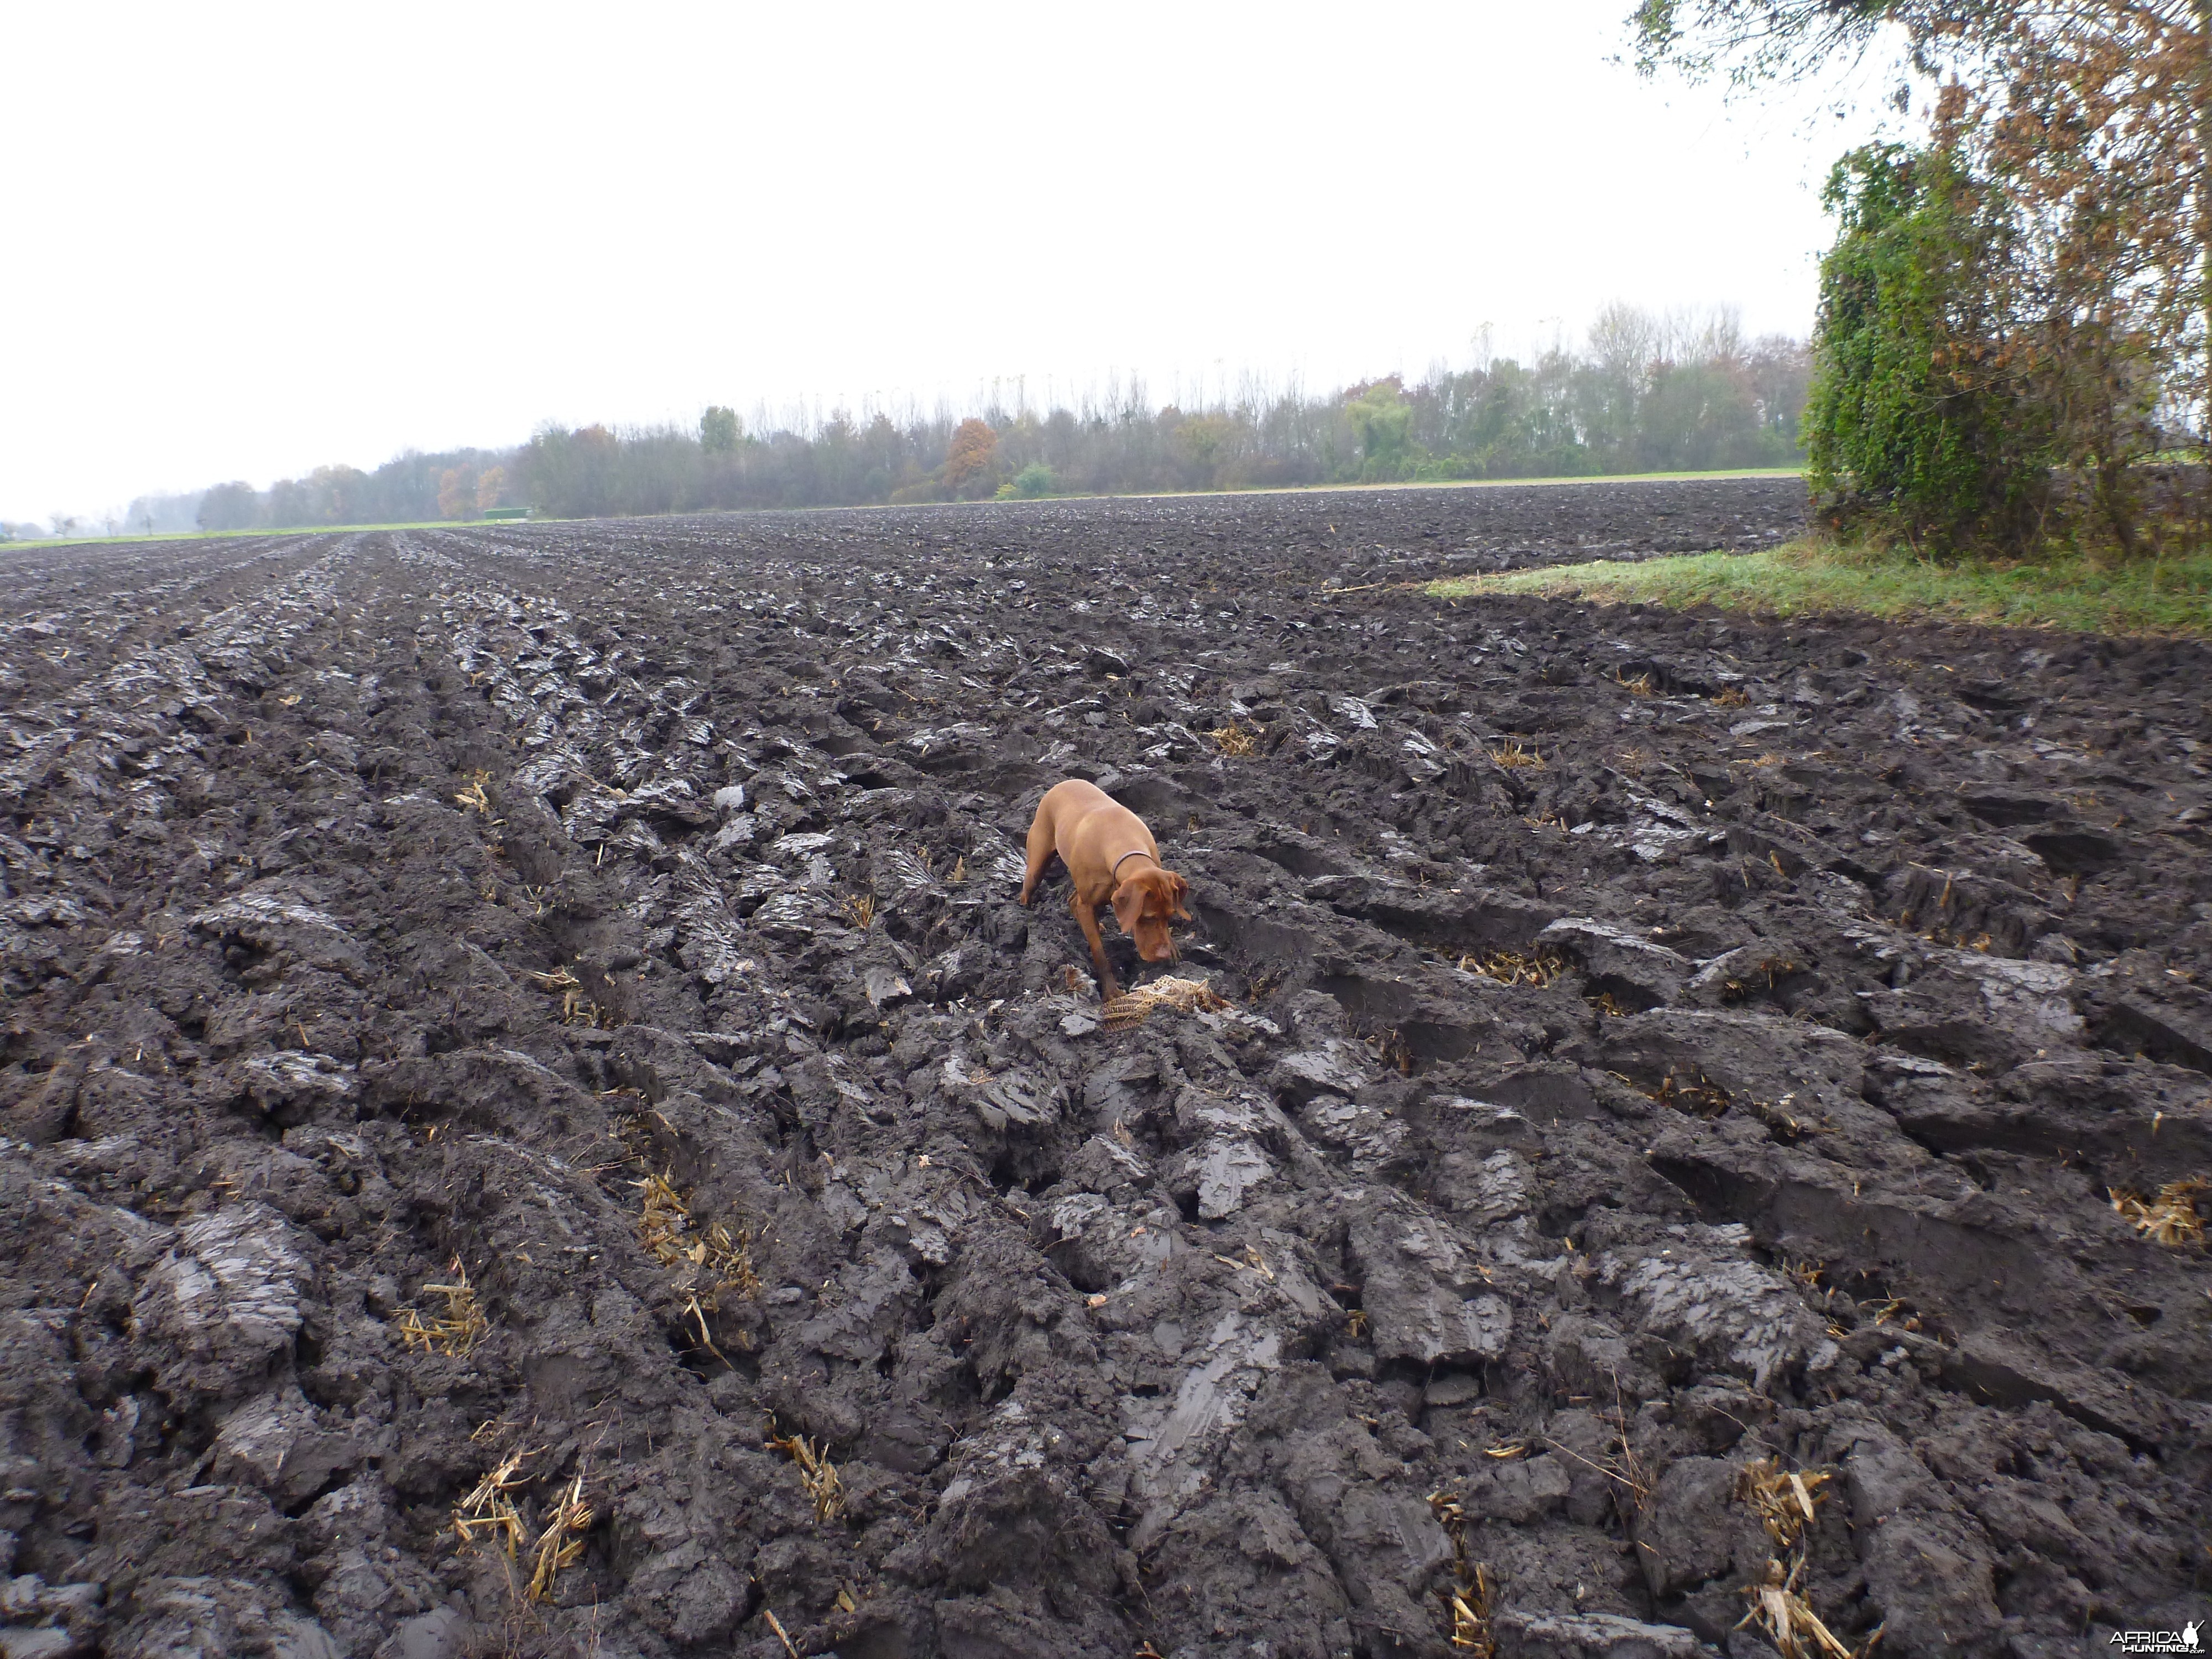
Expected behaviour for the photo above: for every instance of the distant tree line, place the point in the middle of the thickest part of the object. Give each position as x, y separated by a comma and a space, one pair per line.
1645, 393
409, 488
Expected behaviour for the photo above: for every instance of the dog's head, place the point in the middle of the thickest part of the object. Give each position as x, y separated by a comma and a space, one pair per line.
1144, 905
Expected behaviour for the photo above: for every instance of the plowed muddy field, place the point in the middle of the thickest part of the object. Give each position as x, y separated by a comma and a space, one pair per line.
535, 1123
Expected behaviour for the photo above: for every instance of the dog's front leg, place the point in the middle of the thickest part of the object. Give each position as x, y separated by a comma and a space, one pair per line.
1042, 846
1086, 918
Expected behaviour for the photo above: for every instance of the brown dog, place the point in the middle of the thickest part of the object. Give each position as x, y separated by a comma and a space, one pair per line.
1111, 858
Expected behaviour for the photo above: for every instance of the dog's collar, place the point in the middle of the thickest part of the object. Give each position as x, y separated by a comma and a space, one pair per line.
1134, 853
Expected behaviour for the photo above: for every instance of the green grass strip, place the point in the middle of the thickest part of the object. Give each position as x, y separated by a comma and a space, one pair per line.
2169, 597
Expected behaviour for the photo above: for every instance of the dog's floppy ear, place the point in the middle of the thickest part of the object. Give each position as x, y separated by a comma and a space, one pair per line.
1129, 905
1175, 894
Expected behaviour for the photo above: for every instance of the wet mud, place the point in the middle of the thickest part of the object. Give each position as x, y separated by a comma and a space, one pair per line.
534, 1122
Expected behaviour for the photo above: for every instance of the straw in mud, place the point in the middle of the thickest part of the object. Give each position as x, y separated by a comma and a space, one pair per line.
560, 1541
1790, 1622
1468, 1602
488, 1510
2171, 1218
454, 1331
1133, 1008
818, 1476
1784, 1500
1538, 968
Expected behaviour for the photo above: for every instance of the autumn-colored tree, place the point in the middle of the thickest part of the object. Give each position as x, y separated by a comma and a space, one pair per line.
2083, 130
490, 483
335, 494
2092, 121
573, 475
457, 492
971, 458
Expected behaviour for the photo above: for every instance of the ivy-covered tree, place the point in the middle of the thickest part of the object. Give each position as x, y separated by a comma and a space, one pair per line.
1914, 420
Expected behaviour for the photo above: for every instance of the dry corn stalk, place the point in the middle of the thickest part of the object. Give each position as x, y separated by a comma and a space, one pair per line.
728, 1256
1134, 1008
860, 910
665, 1221
560, 1540
1467, 1603
1238, 742
1784, 1499
2169, 1218
1469, 1606
708, 1262
1515, 967
474, 795
818, 1476
1892, 1312
1792, 1625
577, 1009
488, 1510
1704, 1097
1512, 756
456, 1331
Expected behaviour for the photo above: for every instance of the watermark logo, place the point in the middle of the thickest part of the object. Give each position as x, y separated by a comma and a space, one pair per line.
2188, 1639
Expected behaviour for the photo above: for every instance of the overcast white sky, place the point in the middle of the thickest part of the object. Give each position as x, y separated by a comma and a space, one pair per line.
241, 241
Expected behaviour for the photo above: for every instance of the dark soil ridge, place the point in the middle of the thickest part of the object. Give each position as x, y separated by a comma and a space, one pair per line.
386, 905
